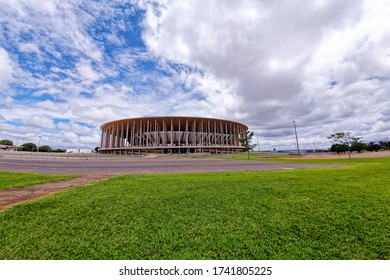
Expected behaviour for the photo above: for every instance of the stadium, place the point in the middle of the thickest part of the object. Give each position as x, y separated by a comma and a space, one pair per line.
171, 135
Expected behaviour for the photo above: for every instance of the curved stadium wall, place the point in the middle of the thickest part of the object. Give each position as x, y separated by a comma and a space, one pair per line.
159, 135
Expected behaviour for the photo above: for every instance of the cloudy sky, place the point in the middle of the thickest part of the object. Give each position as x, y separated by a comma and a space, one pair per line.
66, 67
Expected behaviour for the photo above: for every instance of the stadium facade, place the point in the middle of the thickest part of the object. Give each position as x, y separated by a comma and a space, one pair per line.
170, 135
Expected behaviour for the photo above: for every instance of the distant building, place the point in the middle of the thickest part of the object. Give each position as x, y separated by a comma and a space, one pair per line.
8, 147
79, 151
171, 135
381, 143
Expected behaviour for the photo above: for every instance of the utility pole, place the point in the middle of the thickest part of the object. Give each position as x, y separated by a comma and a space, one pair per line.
247, 142
39, 142
296, 138
22, 143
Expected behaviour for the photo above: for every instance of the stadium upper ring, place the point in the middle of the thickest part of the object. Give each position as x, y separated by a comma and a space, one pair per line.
173, 135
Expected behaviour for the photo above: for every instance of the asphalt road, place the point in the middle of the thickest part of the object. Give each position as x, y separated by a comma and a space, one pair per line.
139, 166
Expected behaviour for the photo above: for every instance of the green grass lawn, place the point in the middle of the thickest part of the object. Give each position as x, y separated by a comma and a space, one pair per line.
10, 180
331, 213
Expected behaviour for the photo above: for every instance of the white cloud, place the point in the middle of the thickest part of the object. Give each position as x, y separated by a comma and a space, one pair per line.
7, 100
6, 68
29, 47
90, 141
87, 73
57, 21
40, 121
74, 127
324, 64
280, 62
51, 106
70, 137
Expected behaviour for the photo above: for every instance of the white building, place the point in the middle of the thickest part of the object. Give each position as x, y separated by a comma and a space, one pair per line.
79, 151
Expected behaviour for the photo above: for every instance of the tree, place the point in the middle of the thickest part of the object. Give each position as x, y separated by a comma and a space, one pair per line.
374, 147
344, 138
97, 149
28, 147
245, 141
45, 149
358, 147
339, 148
6, 142
59, 151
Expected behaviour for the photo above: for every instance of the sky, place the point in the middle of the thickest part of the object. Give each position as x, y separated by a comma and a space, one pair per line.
67, 67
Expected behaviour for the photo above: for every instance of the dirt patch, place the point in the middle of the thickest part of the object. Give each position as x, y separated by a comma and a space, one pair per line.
343, 156
14, 196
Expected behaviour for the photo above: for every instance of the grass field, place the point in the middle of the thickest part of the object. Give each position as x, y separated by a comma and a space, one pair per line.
331, 213
10, 180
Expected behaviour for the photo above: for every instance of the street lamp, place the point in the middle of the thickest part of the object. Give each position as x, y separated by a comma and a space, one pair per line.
296, 138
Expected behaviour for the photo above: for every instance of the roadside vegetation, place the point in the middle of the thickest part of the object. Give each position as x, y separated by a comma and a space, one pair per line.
10, 180
327, 213
321, 158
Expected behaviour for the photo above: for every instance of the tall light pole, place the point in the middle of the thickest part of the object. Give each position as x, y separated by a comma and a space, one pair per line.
296, 138
39, 142
247, 142
258, 146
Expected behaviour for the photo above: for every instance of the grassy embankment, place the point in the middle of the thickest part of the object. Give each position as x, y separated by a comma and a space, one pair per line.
330, 213
10, 180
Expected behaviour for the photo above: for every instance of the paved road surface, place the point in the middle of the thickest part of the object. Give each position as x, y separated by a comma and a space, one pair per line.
138, 166
103, 168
